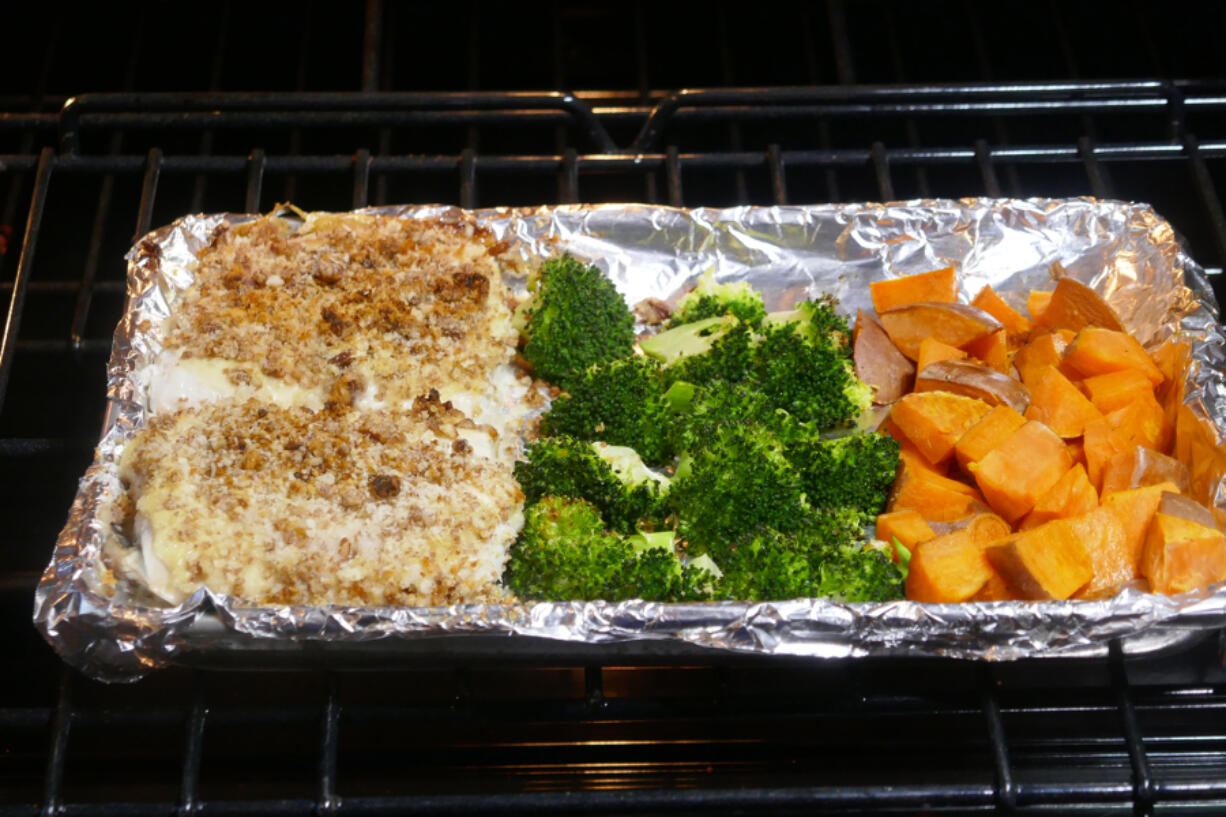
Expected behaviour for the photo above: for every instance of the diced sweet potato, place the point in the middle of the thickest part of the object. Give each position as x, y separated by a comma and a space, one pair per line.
910, 456
936, 420
996, 589
1036, 303
938, 286
1142, 423
1077, 450
932, 351
1181, 555
1061, 405
1098, 351
1196, 445
951, 568
1114, 562
1047, 562
973, 380
950, 323
1184, 507
1135, 508
1021, 469
1114, 391
992, 351
1137, 467
1042, 351
1072, 495
1075, 306
1017, 326
878, 361
908, 526
993, 429
937, 498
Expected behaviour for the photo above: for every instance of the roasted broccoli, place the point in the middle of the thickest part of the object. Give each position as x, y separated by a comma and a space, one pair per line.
709, 299
573, 319
621, 403
826, 558
613, 478
719, 348
698, 419
855, 471
564, 553
804, 363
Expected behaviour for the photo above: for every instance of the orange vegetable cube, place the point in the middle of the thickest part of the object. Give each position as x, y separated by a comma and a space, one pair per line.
952, 324
1017, 326
1135, 509
1075, 306
993, 350
1182, 555
936, 498
936, 420
938, 286
931, 350
1021, 469
952, 568
1098, 351
910, 456
1072, 495
908, 527
1113, 391
997, 588
1061, 405
1036, 303
1047, 562
1032, 359
1137, 467
1077, 450
993, 429
1105, 541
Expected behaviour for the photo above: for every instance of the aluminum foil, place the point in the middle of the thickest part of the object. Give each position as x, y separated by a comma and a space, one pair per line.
1126, 252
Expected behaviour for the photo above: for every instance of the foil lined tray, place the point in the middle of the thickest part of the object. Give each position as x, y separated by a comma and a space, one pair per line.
1127, 253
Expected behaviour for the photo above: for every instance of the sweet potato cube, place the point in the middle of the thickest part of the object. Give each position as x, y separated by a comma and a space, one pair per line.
1072, 495
1077, 450
1043, 350
1036, 303
973, 380
1113, 391
1138, 466
1135, 508
1017, 326
1075, 306
950, 323
1021, 469
1098, 351
936, 420
932, 350
937, 498
1142, 423
952, 568
938, 286
993, 429
992, 350
1061, 405
908, 527
1182, 555
1114, 562
997, 589
911, 457
1047, 562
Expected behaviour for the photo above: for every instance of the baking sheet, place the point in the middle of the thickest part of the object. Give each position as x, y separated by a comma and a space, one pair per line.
114, 631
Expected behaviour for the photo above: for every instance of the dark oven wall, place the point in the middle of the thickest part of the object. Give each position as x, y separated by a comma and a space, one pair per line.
115, 121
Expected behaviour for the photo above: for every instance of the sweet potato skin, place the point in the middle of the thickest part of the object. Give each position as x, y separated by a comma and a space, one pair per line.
938, 286
974, 380
1137, 466
878, 361
951, 323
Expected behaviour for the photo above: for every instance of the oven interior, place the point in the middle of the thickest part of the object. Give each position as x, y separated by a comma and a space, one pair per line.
112, 123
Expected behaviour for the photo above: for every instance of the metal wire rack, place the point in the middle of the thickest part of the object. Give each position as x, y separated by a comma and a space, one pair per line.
85, 166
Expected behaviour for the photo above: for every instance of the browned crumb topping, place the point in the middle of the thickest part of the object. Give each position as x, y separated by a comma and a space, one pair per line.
351, 292
282, 505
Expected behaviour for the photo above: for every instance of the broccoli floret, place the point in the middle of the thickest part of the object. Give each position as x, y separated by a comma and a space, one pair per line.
564, 553
737, 482
818, 320
855, 471
713, 349
618, 402
612, 478
825, 559
573, 319
698, 421
709, 299
806, 368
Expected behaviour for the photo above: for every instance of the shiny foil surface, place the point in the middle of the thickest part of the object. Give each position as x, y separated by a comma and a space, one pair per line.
113, 630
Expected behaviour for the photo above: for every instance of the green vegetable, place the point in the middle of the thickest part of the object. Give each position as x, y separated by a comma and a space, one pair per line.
709, 299
618, 402
698, 353
613, 478
575, 318
856, 471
